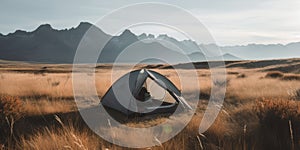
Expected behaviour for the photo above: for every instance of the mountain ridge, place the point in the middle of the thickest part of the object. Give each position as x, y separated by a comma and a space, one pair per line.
46, 44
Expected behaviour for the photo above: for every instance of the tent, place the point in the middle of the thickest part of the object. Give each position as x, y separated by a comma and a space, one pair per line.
122, 96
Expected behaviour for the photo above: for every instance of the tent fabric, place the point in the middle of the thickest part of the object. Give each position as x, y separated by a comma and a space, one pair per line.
121, 95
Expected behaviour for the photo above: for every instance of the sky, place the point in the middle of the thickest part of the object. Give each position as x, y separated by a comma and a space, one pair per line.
231, 22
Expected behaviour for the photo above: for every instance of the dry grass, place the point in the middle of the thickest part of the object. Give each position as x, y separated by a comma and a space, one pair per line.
279, 123
10, 106
280, 75
261, 124
44, 106
274, 74
10, 110
291, 77
241, 75
63, 138
260, 112
296, 94
254, 87
53, 85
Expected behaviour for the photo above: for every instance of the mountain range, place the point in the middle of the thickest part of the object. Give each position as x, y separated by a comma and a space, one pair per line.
48, 45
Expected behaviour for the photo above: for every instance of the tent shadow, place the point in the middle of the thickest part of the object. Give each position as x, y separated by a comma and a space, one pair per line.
29, 125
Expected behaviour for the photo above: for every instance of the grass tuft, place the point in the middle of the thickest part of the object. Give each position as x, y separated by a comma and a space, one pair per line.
274, 74
291, 77
11, 109
278, 118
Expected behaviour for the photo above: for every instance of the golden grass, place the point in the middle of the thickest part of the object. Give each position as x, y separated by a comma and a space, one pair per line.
291, 77
63, 138
252, 126
255, 87
36, 85
69, 136
44, 106
10, 110
279, 121
244, 117
10, 106
274, 74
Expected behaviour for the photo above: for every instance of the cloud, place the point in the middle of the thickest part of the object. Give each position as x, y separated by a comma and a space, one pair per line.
274, 22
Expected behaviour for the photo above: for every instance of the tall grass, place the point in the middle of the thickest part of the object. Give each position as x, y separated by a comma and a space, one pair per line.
258, 113
10, 110
279, 123
67, 137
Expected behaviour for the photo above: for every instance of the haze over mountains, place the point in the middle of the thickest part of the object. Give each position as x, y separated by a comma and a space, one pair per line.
48, 45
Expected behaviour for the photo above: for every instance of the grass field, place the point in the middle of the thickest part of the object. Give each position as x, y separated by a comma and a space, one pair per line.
261, 108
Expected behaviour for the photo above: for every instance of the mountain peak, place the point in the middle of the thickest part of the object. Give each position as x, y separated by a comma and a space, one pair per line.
168, 38
163, 36
128, 35
228, 56
127, 32
84, 25
45, 27
144, 36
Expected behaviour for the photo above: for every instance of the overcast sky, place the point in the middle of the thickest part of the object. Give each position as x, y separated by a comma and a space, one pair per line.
231, 22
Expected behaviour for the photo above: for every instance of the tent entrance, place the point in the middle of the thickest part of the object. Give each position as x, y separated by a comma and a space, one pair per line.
153, 96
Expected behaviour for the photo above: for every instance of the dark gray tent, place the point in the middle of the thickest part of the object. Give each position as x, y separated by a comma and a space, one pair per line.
122, 95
